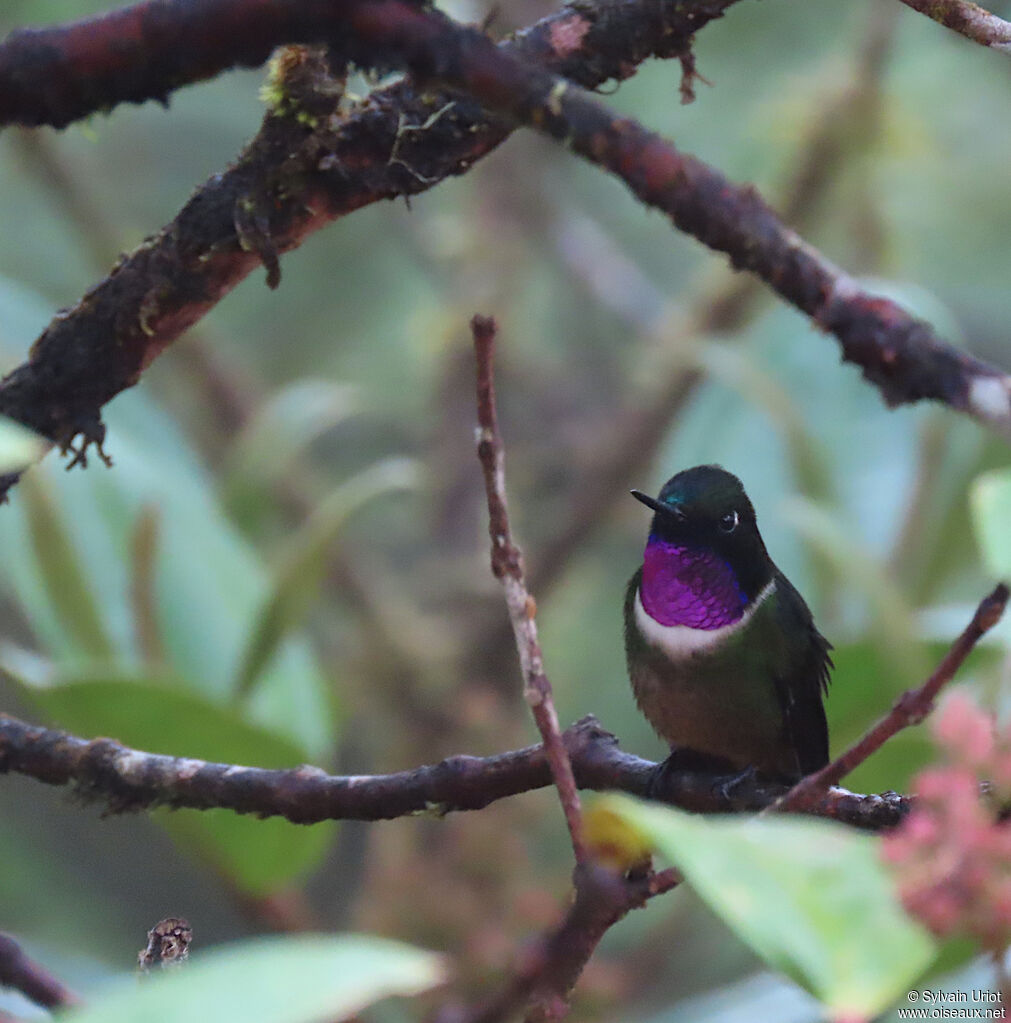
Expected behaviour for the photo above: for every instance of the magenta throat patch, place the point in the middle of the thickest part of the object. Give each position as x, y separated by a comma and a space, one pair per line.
689, 586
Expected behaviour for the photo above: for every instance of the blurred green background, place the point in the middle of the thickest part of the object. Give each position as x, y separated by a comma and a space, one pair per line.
288, 562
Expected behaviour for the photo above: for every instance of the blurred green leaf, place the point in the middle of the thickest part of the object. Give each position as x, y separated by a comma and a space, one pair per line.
62, 573
288, 422
303, 562
762, 996
892, 621
143, 603
19, 446
207, 581
739, 369
257, 856
863, 690
811, 897
149, 713
990, 500
936, 539
272, 980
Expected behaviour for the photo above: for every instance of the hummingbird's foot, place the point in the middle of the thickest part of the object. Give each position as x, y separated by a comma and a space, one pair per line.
676, 779
706, 784
90, 428
735, 788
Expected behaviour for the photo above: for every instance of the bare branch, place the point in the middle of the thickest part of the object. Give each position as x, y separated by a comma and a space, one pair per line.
507, 566
124, 780
909, 709
967, 19
30, 978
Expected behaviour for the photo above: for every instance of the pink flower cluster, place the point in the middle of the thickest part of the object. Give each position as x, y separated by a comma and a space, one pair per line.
952, 854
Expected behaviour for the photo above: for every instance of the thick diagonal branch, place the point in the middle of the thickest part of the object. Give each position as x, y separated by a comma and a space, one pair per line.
299, 174
60, 73
295, 178
901, 355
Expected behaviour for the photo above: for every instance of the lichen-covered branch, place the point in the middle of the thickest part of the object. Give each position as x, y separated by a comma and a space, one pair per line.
57, 74
312, 162
307, 168
121, 779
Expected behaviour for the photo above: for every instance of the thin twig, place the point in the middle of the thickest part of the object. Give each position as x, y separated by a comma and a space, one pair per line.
967, 19
507, 566
909, 709
34, 981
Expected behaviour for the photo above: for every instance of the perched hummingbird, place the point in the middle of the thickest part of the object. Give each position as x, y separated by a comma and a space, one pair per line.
723, 654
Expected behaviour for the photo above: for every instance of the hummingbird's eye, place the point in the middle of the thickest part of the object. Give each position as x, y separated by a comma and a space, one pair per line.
729, 522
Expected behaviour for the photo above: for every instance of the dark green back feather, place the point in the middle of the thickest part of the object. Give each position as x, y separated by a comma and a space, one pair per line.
801, 689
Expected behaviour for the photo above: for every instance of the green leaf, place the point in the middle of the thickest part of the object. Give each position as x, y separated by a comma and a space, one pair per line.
811, 897
19, 446
287, 423
864, 688
208, 583
62, 574
303, 562
272, 980
760, 996
151, 714
143, 603
892, 620
990, 500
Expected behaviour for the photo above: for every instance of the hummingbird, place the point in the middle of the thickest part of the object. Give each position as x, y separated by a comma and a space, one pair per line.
723, 653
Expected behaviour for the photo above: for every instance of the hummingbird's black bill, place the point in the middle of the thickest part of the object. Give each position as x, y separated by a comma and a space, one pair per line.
650, 502
668, 511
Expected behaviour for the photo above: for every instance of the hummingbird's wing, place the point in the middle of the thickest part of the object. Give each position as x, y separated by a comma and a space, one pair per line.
803, 679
